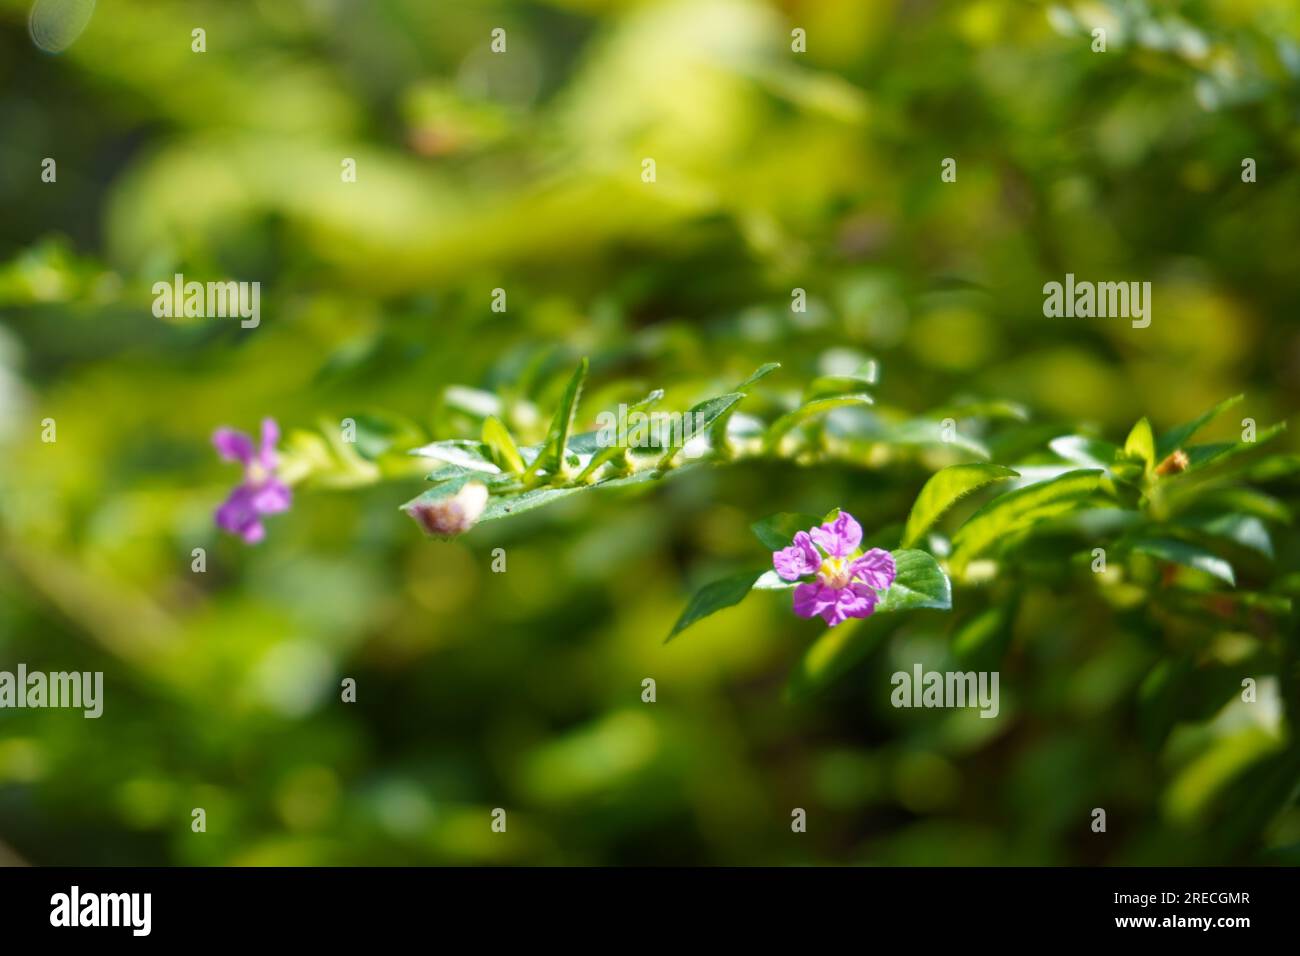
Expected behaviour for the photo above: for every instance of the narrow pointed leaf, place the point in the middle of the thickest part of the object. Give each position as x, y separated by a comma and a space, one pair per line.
1189, 555
701, 416
1178, 436
497, 437
1203, 456
1085, 452
472, 455
809, 411
1141, 444
930, 431
1020, 509
944, 489
557, 437
611, 452
759, 373
713, 597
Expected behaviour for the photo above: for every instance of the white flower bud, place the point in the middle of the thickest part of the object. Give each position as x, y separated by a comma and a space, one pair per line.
453, 514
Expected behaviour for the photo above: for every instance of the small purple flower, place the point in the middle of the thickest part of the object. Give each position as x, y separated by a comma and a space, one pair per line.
847, 581
261, 492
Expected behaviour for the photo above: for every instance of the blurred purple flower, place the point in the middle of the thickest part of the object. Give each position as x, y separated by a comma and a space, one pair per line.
261, 492
847, 581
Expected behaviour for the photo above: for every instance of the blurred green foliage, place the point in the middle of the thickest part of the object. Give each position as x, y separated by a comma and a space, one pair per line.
775, 170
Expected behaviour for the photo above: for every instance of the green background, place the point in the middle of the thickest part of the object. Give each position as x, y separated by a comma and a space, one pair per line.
774, 171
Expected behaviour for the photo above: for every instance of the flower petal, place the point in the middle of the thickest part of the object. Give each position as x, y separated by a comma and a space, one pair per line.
876, 569
863, 603
270, 438
238, 513
233, 445
839, 538
797, 560
835, 605
856, 600
272, 497
813, 598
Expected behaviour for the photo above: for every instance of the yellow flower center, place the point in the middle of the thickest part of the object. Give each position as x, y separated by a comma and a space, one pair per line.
258, 473
836, 572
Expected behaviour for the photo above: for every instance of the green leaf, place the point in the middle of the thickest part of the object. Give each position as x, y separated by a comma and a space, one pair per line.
779, 428
996, 409
1245, 531
551, 456
777, 531
325, 460
497, 437
930, 431
1195, 788
867, 375
715, 596
501, 506
1209, 465
703, 414
471, 401
771, 581
1085, 452
1274, 467
829, 385
442, 475
761, 372
1203, 456
1141, 444
1021, 509
1188, 555
471, 455
944, 489
1242, 500
603, 455
650, 401
920, 583
720, 423
1176, 437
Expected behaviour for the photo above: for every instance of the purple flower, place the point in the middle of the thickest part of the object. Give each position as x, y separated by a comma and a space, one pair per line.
847, 581
261, 492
